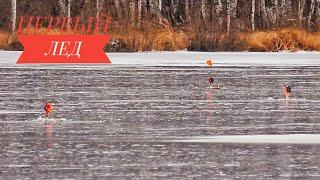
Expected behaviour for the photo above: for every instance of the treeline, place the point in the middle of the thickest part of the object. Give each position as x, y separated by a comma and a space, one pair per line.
201, 25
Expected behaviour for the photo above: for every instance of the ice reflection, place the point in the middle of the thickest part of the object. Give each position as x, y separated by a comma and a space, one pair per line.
49, 129
286, 105
210, 107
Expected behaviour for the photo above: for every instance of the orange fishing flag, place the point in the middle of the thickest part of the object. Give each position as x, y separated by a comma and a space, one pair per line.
209, 62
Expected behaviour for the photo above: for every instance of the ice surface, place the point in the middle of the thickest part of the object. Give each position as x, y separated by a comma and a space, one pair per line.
139, 120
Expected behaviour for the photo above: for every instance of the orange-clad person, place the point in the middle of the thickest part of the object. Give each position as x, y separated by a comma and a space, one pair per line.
287, 91
48, 108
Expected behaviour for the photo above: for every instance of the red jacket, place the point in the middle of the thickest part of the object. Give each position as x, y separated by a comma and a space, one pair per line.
48, 107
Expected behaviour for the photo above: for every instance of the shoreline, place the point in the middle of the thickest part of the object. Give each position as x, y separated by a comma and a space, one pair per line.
189, 58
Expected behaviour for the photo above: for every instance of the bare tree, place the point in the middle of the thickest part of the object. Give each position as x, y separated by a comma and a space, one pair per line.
234, 4
139, 12
204, 9
174, 14
175, 4
160, 6
99, 6
86, 9
271, 15
317, 10
155, 7
118, 9
264, 15
218, 8
13, 14
312, 6
152, 6
276, 11
287, 8
282, 12
228, 16
187, 11
252, 15
63, 8
231, 12
301, 4
132, 7
69, 12
282, 7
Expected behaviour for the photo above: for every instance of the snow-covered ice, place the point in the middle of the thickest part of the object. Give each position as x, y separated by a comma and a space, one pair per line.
185, 58
253, 139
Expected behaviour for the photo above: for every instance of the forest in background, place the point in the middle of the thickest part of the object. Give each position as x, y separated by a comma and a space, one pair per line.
195, 25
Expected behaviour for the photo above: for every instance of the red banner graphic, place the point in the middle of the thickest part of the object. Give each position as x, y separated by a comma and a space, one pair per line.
63, 49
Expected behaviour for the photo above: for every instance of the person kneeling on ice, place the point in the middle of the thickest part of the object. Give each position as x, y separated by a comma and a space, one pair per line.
48, 109
211, 80
287, 91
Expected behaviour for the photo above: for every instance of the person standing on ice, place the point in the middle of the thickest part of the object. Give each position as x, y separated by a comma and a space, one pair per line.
211, 80
48, 108
287, 91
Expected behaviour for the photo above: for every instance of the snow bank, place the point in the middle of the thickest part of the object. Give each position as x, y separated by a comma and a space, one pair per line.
183, 58
253, 139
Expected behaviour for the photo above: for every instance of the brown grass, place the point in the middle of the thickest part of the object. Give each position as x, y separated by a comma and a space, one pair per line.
288, 39
150, 37
10, 42
153, 36
44, 31
4, 39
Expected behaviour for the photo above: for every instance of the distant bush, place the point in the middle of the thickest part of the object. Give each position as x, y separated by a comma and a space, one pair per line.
287, 39
150, 36
4, 39
157, 37
10, 42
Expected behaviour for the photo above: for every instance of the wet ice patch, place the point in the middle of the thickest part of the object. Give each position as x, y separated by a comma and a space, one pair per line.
43, 119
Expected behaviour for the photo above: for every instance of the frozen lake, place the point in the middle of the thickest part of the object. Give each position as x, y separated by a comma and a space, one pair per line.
128, 121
